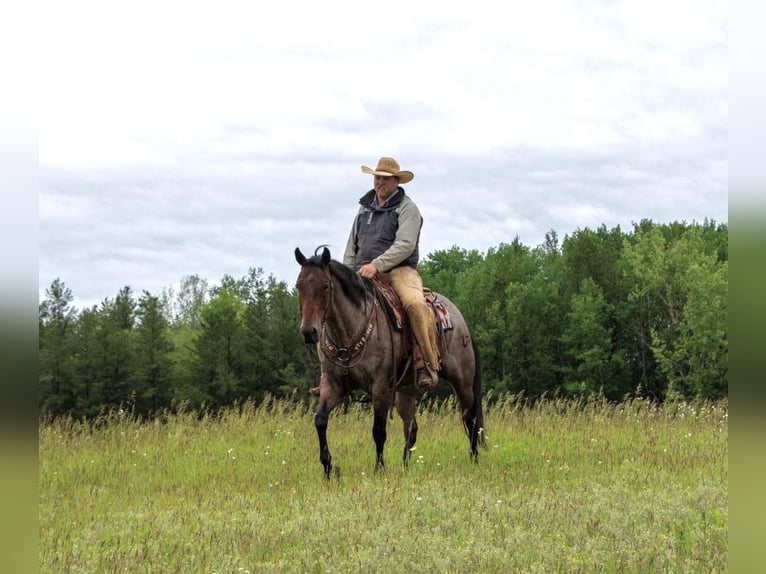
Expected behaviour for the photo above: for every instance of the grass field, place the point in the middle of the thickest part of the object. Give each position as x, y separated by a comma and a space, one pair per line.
562, 487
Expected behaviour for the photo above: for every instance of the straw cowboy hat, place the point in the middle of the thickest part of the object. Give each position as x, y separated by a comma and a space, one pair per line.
388, 166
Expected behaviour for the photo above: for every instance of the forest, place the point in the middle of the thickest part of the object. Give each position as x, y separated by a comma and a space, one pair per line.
617, 314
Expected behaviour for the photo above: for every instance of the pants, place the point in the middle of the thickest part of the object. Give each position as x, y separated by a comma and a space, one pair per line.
408, 285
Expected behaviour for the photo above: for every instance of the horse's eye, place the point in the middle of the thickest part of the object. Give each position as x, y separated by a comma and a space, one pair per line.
327, 286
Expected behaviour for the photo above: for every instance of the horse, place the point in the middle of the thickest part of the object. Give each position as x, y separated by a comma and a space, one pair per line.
359, 349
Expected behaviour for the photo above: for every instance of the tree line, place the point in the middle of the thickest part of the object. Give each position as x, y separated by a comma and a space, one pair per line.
603, 312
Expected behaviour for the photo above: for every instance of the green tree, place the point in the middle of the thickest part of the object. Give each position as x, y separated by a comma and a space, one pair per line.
116, 352
534, 328
589, 255
192, 296
87, 362
591, 364
678, 288
442, 270
220, 349
716, 239
649, 304
278, 360
692, 350
604, 311
594, 300
58, 386
482, 298
184, 362
153, 369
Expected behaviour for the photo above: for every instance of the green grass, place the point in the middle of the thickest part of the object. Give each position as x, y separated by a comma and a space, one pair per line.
562, 487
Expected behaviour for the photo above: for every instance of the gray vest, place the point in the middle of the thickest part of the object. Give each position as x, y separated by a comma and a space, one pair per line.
376, 229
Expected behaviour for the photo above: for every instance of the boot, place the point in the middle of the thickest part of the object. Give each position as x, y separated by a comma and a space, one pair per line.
426, 379
425, 376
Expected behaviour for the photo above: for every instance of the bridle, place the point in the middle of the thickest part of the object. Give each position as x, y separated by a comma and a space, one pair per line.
340, 354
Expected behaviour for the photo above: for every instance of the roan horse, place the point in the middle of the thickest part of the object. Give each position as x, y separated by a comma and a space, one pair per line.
360, 350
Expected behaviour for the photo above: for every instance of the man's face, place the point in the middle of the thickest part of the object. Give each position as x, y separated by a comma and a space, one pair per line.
385, 186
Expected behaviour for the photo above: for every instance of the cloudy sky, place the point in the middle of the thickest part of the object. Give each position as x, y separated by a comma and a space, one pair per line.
178, 138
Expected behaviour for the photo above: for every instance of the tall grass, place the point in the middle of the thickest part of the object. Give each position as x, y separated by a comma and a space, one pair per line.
562, 487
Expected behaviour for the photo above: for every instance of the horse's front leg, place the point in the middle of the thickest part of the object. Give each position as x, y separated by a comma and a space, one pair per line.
328, 398
381, 403
379, 436
320, 421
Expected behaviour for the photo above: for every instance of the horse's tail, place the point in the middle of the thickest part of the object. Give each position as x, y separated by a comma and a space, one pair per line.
478, 416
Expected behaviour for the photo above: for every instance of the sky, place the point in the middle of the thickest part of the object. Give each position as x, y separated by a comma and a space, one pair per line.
183, 138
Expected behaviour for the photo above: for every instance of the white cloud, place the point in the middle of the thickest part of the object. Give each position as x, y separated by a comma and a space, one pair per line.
180, 138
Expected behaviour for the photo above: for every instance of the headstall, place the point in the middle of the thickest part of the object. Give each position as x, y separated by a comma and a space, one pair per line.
342, 356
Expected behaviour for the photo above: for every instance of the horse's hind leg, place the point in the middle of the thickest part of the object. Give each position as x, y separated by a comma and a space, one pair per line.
405, 406
472, 430
473, 419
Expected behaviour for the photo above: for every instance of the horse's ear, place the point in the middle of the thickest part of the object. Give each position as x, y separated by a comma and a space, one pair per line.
325, 257
299, 257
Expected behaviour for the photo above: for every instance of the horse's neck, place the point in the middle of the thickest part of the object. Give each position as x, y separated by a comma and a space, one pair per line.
344, 319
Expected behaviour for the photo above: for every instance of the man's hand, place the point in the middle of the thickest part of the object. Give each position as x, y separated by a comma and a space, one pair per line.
368, 271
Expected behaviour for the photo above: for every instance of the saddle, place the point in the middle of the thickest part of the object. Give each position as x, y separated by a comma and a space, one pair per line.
397, 318
395, 311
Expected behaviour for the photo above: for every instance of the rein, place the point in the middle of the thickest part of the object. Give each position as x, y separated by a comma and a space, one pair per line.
342, 355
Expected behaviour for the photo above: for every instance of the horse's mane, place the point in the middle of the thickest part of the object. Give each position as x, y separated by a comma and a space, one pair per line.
354, 286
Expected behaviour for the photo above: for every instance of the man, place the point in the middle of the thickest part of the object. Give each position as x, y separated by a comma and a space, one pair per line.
384, 239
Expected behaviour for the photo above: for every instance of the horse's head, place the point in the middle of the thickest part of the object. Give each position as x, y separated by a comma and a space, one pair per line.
313, 284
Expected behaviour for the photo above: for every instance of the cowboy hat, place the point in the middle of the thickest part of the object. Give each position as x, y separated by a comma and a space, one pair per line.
388, 166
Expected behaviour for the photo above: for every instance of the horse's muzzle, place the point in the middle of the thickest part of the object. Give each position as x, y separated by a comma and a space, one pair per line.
310, 335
